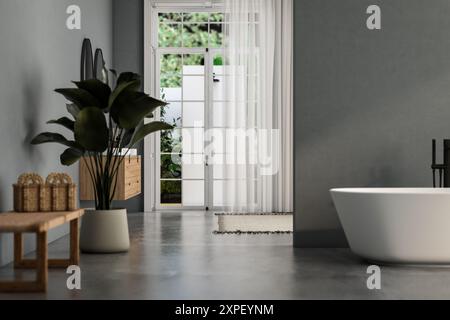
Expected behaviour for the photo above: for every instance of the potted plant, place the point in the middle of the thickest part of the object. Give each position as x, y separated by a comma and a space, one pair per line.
103, 122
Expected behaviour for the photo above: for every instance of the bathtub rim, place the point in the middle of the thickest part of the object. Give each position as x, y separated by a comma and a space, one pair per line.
392, 191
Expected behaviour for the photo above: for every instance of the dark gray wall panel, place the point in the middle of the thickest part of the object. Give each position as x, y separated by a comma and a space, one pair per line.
367, 103
129, 56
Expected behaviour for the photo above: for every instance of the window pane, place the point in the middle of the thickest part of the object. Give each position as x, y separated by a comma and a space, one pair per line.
196, 17
193, 166
195, 35
194, 60
171, 63
216, 17
171, 94
193, 88
170, 166
219, 115
193, 64
170, 35
216, 35
193, 141
170, 192
169, 17
170, 81
171, 141
171, 114
193, 114
194, 70
170, 87
193, 193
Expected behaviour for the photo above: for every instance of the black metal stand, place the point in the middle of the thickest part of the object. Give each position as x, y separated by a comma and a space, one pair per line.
443, 169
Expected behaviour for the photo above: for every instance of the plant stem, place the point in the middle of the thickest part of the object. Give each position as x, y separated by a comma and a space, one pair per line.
91, 174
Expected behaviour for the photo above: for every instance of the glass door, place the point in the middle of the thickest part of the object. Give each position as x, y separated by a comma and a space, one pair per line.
183, 84
185, 59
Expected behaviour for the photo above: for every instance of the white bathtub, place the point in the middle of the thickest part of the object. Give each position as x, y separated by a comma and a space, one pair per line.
396, 225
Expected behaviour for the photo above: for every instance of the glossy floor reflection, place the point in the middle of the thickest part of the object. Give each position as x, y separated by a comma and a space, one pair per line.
176, 256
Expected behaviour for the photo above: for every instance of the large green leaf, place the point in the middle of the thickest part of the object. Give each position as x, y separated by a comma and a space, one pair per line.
97, 89
70, 156
131, 107
73, 110
147, 129
65, 122
91, 130
127, 136
121, 87
50, 137
80, 97
130, 77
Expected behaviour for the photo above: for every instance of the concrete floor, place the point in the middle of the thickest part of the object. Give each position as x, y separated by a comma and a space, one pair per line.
176, 256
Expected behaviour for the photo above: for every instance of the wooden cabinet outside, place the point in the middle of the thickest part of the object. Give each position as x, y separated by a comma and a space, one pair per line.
128, 180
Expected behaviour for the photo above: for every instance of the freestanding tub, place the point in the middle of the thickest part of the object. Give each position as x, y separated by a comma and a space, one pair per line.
400, 225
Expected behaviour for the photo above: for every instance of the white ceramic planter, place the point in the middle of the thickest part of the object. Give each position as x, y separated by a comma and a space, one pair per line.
104, 231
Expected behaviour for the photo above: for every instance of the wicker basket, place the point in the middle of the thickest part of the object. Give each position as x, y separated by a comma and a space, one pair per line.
63, 192
31, 194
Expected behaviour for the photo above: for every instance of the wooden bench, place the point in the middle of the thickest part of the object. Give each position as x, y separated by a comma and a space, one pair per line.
39, 223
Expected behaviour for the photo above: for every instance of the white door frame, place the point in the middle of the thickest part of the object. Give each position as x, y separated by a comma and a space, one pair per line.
149, 83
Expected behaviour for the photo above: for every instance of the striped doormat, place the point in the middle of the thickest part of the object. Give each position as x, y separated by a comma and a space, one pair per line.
254, 223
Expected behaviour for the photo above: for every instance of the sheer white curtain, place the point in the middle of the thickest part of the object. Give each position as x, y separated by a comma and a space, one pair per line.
256, 145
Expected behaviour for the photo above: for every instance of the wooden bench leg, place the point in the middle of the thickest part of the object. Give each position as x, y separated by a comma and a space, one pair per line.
74, 242
74, 258
41, 262
18, 249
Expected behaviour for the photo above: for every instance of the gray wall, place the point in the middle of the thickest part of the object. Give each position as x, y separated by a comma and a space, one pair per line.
129, 56
37, 55
367, 103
